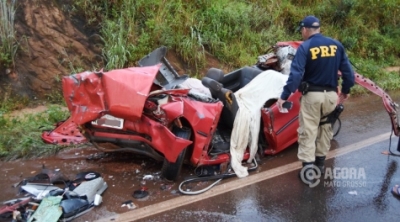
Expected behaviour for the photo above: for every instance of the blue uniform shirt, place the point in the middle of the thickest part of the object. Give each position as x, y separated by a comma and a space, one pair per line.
317, 62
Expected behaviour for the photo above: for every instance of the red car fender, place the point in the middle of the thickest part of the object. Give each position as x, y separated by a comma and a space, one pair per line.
203, 119
162, 139
174, 109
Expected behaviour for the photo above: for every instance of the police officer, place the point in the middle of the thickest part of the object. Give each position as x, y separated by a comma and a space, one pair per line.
314, 71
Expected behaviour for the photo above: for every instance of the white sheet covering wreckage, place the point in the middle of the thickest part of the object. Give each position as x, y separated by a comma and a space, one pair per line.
251, 98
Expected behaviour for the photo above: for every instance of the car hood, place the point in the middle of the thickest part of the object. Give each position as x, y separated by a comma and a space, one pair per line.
121, 93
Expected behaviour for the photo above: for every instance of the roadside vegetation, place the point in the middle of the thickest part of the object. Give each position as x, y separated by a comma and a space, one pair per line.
234, 31
20, 134
8, 42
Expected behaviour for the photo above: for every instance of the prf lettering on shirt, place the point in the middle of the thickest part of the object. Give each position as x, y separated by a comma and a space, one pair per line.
323, 51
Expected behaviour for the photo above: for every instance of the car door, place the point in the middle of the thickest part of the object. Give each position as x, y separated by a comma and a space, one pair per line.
280, 129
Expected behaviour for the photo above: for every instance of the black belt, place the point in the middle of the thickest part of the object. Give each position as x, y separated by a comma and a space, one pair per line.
321, 89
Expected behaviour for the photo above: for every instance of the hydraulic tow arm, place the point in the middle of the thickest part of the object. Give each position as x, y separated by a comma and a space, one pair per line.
390, 106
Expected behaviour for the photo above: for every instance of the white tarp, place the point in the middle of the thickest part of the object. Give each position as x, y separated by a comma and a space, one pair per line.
251, 98
196, 87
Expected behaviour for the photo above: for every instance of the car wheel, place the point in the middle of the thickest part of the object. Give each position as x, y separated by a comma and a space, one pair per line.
171, 171
336, 127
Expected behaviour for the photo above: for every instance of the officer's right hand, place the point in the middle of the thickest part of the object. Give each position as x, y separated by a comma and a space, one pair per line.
343, 97
279, 103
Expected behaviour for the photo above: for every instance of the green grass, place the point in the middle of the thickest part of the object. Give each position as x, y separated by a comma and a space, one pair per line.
236, 32
10, 102
8, 42
21, 136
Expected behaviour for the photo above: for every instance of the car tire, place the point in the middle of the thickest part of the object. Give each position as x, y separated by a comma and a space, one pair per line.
171, 171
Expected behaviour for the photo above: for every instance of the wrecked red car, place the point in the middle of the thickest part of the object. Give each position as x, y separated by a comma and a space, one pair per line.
144, 110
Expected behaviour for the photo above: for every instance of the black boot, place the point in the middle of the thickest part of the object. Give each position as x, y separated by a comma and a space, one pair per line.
320, 163
302, 174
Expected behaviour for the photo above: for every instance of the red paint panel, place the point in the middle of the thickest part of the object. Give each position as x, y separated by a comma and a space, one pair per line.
294, 44
280, 129
126, 90
162, 139
173, 109
84, 96
203, 118
121, 93
66, 133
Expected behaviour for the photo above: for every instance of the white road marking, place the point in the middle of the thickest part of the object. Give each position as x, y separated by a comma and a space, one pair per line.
180, 201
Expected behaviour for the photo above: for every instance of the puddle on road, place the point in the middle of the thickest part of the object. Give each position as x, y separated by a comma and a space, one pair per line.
123, 173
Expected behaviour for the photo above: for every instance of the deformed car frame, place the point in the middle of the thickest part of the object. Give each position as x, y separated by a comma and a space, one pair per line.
140, 110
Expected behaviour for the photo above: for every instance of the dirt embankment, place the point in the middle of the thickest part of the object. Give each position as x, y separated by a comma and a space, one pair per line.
50, 46
53, 42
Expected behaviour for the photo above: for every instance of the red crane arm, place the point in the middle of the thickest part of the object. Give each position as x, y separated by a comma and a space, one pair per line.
390, 106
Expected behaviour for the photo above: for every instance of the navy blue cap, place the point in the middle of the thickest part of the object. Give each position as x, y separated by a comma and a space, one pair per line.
308, 22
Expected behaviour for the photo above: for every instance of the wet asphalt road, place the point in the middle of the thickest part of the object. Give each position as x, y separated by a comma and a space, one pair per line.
362, 196
282, 198
286, 198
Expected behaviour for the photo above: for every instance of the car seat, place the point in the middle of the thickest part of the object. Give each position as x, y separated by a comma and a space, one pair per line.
226, 96
167, 77
237, 79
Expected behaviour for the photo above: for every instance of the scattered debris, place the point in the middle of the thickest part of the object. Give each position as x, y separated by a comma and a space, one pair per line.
86, 176
140, 194
148, 177
13, 205
129, 204
47, 202
49, 210
38, 191
17, 216
97, 199
165, 186
97, 156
